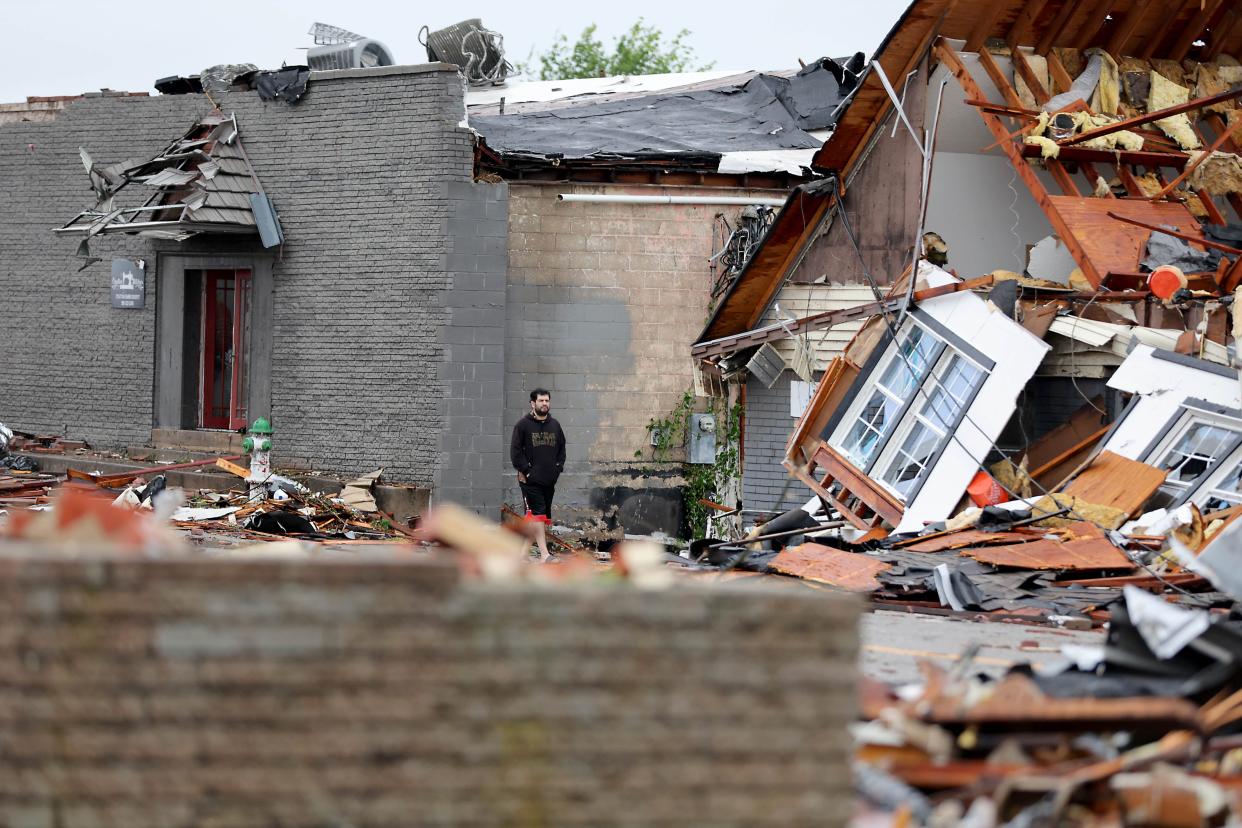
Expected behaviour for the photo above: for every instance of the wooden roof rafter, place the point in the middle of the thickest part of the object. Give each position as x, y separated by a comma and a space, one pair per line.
1187, 36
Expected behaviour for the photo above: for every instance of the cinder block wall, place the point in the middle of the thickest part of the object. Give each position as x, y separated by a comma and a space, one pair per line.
378, 691
472, 438
604, 301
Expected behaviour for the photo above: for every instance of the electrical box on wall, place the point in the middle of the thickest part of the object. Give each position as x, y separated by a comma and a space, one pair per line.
702, 439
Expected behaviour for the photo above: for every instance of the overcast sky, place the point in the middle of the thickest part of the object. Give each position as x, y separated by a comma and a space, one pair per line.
73, 46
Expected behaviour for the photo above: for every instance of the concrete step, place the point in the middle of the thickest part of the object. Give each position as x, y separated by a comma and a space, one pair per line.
150, 456
215, 442
403, 502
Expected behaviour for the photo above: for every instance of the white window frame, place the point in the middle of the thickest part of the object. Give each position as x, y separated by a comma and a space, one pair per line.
939, 423
1188, 416
854, 414
912, 408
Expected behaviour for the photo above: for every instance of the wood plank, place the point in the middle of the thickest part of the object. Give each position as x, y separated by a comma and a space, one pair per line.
794, 251
858, 484
1113, 246
1113, 480
1097, 13
233, 468
998, 78
1060, 175
1075, 555
830, 393
826, 319
1220, 34
853, 571
1092, 176
1053, 463
899, 54
1130, 23
1052, 34
1025, 22
1155, 160
964, 538
983, 25
1127, 178
1060, 76
1214, 214
1188, 35
1176, 233
1033, 82
951, 60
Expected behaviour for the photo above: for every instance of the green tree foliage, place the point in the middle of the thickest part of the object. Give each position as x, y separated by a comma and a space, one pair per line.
641, 50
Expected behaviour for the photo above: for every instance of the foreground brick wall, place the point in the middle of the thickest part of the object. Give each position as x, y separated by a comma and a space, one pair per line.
369, 691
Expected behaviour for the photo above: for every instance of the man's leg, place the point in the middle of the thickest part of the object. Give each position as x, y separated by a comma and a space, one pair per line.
535, 506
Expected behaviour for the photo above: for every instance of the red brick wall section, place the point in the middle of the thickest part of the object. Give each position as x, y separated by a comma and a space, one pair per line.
378, 691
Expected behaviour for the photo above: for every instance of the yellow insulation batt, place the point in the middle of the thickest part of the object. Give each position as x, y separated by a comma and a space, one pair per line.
1212, 80
1084, 121
1048, 148
1165, 93
1221, 173
1107, 96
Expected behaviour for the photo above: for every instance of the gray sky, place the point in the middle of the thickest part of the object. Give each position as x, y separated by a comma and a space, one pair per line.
74, 46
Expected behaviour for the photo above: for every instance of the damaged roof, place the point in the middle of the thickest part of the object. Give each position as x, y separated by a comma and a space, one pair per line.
1172, 31
203, 182
702, 121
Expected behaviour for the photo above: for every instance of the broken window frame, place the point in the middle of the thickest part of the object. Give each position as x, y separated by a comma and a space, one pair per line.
1223, 459
937, 415
917, 405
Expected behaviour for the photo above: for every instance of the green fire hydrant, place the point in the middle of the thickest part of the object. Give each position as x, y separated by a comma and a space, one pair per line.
258, 444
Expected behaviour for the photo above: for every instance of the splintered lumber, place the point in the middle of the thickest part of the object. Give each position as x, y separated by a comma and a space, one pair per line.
233, 468
826, 319
111, 481
823, 564
1084, 554
1018, 700
1150, 117
964, 538
1118, 482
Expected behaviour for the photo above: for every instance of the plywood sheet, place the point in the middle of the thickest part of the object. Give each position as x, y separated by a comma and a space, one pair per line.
1086, 554
967, 537
1113, 480
815, 562
1115, 246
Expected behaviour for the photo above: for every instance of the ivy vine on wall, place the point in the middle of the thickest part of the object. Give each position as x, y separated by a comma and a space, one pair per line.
703, 481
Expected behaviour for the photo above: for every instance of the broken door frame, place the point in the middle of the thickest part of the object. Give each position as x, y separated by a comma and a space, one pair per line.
170, 321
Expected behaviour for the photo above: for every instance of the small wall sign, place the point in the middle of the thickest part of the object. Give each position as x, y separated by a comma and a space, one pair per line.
128, 284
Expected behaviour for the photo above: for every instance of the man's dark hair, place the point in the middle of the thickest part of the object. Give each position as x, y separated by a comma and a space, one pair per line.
540, 392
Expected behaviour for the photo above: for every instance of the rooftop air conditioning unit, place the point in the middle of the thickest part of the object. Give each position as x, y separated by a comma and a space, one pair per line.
357, 54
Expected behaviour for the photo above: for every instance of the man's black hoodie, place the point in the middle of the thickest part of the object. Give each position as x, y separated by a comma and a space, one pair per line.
538, 449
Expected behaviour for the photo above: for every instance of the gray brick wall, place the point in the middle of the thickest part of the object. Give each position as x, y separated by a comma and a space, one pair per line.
358, 172
473, 445
70, 362
768, 425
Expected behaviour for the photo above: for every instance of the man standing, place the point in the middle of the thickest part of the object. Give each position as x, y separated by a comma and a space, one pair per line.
537, 451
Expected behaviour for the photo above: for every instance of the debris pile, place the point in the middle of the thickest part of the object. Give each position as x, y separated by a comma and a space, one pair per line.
1140, 730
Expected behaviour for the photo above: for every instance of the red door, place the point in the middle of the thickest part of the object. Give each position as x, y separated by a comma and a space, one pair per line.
226, 327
